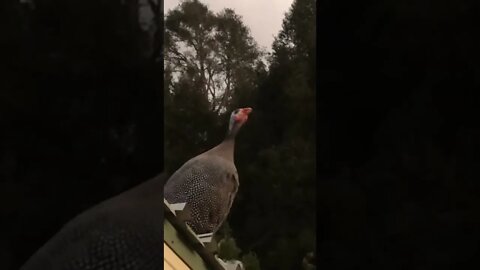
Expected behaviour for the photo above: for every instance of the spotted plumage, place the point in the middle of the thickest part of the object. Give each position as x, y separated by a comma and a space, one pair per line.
208, 183
123, 233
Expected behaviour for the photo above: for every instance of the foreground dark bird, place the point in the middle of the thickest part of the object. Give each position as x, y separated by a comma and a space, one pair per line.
122, 233
208, 182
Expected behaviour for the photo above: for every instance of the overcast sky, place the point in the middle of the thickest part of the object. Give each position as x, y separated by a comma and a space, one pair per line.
263, 17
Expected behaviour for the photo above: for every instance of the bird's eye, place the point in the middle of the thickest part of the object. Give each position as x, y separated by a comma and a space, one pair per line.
236, 111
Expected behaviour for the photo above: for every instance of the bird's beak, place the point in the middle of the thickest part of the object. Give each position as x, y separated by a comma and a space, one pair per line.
247, 111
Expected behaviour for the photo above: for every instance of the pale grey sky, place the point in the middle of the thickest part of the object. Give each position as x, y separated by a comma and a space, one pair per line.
263, 17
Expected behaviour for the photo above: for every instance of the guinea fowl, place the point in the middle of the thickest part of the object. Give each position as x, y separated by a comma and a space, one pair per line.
122, 233
208, 182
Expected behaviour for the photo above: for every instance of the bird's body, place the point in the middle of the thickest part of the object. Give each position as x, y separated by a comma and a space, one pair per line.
122, 233
208, 183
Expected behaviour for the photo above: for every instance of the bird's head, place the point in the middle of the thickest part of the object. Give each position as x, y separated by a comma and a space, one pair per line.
237, 119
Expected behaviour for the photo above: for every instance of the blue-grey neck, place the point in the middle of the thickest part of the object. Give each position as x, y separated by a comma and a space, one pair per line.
233, 128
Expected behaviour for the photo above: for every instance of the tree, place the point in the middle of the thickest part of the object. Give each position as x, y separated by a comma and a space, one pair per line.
216, 50
210, 61
238, 55
282, 172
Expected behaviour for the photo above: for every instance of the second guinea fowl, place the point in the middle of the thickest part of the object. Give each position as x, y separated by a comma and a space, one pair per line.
208, 182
